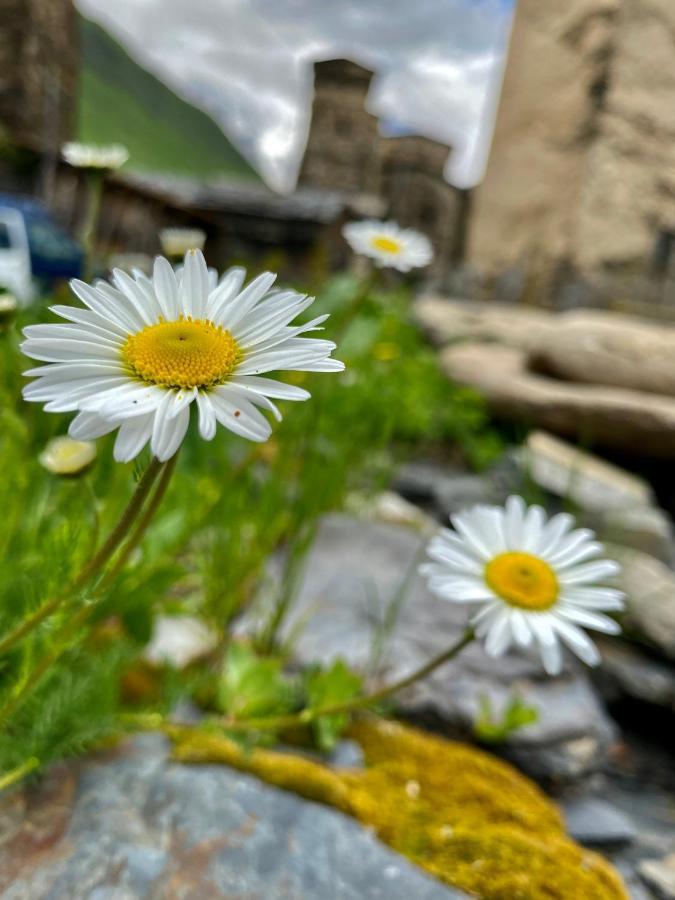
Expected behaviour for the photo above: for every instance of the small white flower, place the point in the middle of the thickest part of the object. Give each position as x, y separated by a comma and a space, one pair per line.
389, 245
8, 305
95, 156
146, 349
64, 456
536, 579
177, 241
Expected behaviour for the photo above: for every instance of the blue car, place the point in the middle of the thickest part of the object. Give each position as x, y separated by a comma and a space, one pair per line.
33, 248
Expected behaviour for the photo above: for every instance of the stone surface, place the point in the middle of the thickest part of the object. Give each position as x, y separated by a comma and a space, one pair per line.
179, 640
648, 529
618, 505
589, 482
659, 874
596, 823
600, 348
443, 490
444, 320
131, 825
632, 421
353, 573
628, 671
650, 591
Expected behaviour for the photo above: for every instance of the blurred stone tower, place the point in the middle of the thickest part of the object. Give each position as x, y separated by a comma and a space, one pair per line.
342, 136
580, 184
39, 62
400, 177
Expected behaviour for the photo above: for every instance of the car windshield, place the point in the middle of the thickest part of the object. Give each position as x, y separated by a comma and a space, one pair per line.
5, 240
47, 240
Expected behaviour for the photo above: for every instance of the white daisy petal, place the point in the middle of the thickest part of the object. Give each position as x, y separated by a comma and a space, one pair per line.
225, 293
589, 619
535, 580
598, 570
132, 436
246, 300
169, 427
389, 245
89, 426
145, 348
166, 288
194, 287
498, 638
579, 643
207, 416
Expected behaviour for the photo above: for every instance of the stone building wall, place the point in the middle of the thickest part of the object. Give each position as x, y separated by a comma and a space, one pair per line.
339, 151
39, 64
580, 184
346, 152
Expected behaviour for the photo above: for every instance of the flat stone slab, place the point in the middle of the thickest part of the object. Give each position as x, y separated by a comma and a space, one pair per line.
131, 825
356, 569
630, 420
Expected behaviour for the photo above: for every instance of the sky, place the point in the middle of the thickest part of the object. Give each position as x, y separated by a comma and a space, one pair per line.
438, 66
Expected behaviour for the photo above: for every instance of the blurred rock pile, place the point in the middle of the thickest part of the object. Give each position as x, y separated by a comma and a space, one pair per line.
600, 377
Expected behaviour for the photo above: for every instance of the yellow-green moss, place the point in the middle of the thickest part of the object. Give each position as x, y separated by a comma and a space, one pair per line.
466, 817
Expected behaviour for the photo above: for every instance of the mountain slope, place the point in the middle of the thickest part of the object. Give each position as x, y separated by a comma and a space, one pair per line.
122, 102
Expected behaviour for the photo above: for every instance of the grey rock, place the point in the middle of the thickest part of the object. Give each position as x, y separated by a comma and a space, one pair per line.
132, 825
589, 482
659, 874
444, 320
353, 572
441, 489
648, 529
628, 671
594, 822
347, 755
635, 422
650, 592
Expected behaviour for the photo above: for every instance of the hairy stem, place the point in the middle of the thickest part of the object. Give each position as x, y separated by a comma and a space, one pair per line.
92, 568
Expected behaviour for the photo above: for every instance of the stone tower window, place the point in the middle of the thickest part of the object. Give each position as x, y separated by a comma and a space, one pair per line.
663, 256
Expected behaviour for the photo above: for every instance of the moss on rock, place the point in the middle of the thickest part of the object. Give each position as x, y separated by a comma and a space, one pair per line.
471, 820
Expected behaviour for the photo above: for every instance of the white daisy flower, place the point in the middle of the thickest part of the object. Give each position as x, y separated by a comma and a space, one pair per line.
177, 241
536, 579
64, 456
146, 349
389, 245
95, 156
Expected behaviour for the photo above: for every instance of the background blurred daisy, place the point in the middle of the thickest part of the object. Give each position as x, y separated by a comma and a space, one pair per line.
95, 156
146, 349
536, 580
389, 245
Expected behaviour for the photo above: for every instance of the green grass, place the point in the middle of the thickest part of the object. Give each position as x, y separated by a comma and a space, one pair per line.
121, 102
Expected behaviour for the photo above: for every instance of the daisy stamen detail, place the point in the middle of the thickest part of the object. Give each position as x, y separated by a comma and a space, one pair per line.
538, 582
144, 349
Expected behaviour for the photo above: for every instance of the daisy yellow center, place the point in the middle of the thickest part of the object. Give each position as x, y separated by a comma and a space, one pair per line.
387, 244
187, 353
522, 580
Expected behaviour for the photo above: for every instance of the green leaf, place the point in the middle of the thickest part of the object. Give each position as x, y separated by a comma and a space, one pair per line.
516, 715
329, 687
252, 686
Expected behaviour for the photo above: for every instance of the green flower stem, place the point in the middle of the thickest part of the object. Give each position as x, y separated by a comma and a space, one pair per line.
365, 289
136, 535
95, 563
94, 182
276, 723
71, 627
14, 775
35, 676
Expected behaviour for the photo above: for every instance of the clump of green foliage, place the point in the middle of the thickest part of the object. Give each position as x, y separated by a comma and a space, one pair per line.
230, 506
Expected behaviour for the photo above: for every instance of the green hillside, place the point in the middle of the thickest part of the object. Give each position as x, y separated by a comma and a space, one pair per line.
121, 102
